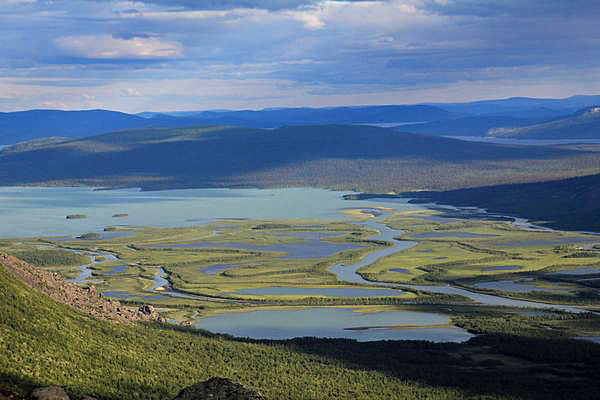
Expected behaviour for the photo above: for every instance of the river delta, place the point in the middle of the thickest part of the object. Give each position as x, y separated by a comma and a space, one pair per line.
281, 263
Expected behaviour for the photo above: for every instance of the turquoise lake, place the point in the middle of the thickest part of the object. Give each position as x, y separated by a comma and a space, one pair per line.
33, 211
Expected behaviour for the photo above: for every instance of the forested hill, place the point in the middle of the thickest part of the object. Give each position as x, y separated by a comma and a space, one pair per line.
566, 204
584, 124
338, 156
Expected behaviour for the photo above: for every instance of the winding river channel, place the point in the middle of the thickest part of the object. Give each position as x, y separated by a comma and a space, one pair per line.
349, 273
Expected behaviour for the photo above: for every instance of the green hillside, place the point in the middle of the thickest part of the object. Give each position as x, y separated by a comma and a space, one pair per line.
43, 342
335, 156
562, 204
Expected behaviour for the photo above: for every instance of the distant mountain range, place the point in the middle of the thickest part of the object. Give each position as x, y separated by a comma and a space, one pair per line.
532, 116
34, 124
343, 156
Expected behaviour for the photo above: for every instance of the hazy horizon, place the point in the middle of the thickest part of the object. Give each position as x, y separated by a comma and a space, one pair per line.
305, 106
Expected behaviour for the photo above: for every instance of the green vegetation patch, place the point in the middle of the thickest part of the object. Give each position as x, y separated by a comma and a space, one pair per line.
42, 343
50, 257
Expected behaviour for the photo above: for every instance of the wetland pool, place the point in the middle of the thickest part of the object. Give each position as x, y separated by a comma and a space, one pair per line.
215, 269
327, 292
492, 300
347, 323
579, 271
431, 235
311, 246
510, 286
502, 268
532, 243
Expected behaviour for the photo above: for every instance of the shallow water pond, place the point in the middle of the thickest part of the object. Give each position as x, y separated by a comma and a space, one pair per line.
428, 235
328, 292
117, 269
503, 268
333, 323
595, 339
126, 295
493, 300
531, 243
86, 270
579, 271
510, 286
215, 269
401, 270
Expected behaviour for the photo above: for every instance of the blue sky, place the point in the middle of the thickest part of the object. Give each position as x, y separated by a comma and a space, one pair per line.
165, 55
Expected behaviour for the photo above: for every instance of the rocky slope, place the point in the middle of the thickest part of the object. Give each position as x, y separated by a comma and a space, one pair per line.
86, 300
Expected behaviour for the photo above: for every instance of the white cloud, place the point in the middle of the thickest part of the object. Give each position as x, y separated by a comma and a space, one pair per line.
310, 52
4, 2
310, 19
109, 47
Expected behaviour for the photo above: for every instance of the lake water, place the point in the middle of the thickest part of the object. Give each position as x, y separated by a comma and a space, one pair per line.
328, 292
29, 211
334, 323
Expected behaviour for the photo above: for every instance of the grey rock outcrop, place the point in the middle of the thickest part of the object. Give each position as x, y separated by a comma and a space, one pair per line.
218, 389
50, 393
147, 309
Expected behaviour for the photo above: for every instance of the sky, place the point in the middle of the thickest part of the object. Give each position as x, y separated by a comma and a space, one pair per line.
175, 55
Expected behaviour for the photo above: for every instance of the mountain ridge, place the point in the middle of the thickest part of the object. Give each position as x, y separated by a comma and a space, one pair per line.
334, 156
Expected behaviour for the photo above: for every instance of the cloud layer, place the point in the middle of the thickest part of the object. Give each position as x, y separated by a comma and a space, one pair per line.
185, 54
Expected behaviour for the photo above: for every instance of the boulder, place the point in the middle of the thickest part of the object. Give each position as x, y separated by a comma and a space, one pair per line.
147, 310
50, 393
217, 389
